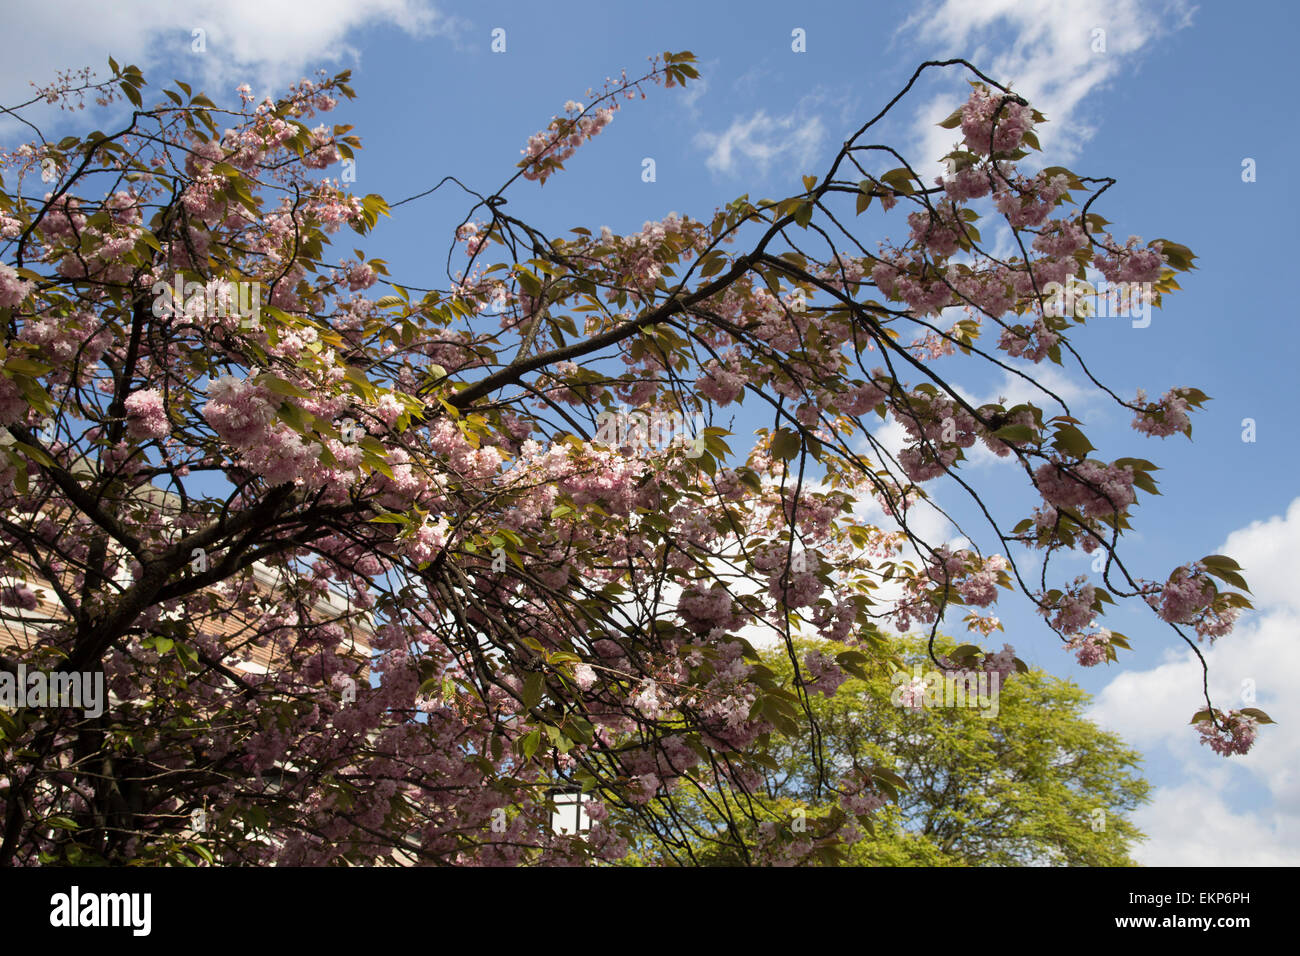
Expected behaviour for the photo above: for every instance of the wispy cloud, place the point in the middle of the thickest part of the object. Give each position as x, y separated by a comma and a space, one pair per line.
265, 44
762, 140
1053, 52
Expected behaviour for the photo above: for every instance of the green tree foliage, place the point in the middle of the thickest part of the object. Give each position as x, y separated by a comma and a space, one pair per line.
1020, 777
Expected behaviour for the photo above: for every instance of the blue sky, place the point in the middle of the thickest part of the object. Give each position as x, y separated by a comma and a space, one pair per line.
1178, 98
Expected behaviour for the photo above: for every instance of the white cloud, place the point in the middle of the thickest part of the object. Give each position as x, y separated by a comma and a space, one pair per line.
267, 44
693, 93
1192, 822
762, 140
1045, 50
1266, 552
1190, 825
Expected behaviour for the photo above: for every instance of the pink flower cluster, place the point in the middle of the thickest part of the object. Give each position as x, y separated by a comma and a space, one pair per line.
1074, 609
243, 414
940, 429
993, 123
708, 609
239, 411
1033, 343
12, 289
718, 384
1235, 737
824, 674
80, 337
19, 595
1089, 487
1190, 597
970, 182
553, 145
939, 231
1164, 417
1002, 663
1090, 649
975, 578
861, 800
897, 280
13, 407
470, 234
860, 399
322, 151
146, 415
1026, 203
649, 701
1128, 263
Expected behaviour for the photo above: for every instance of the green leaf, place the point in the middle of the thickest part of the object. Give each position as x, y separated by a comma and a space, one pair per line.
1015, 433
528, 282
901, 180
34, 453
532, 690
1178, 256
530, 743
785, 444
1070, 439
953, 120
26, 366
1232, 577
1145, 482
282, 387
712, 265
865, 189
880, 773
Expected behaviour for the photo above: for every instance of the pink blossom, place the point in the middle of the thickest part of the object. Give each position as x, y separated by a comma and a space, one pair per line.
1090, 487
18, 595
1090, 649
1236, 737
825, 675
584, 675
1164, 417
968, 183
146, 415
983, 133
12, 289
1128, 263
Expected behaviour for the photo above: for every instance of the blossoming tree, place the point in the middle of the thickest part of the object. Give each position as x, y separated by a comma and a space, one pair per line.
196, 386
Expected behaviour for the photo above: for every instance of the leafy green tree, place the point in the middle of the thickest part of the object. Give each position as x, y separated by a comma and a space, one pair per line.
1015, 777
